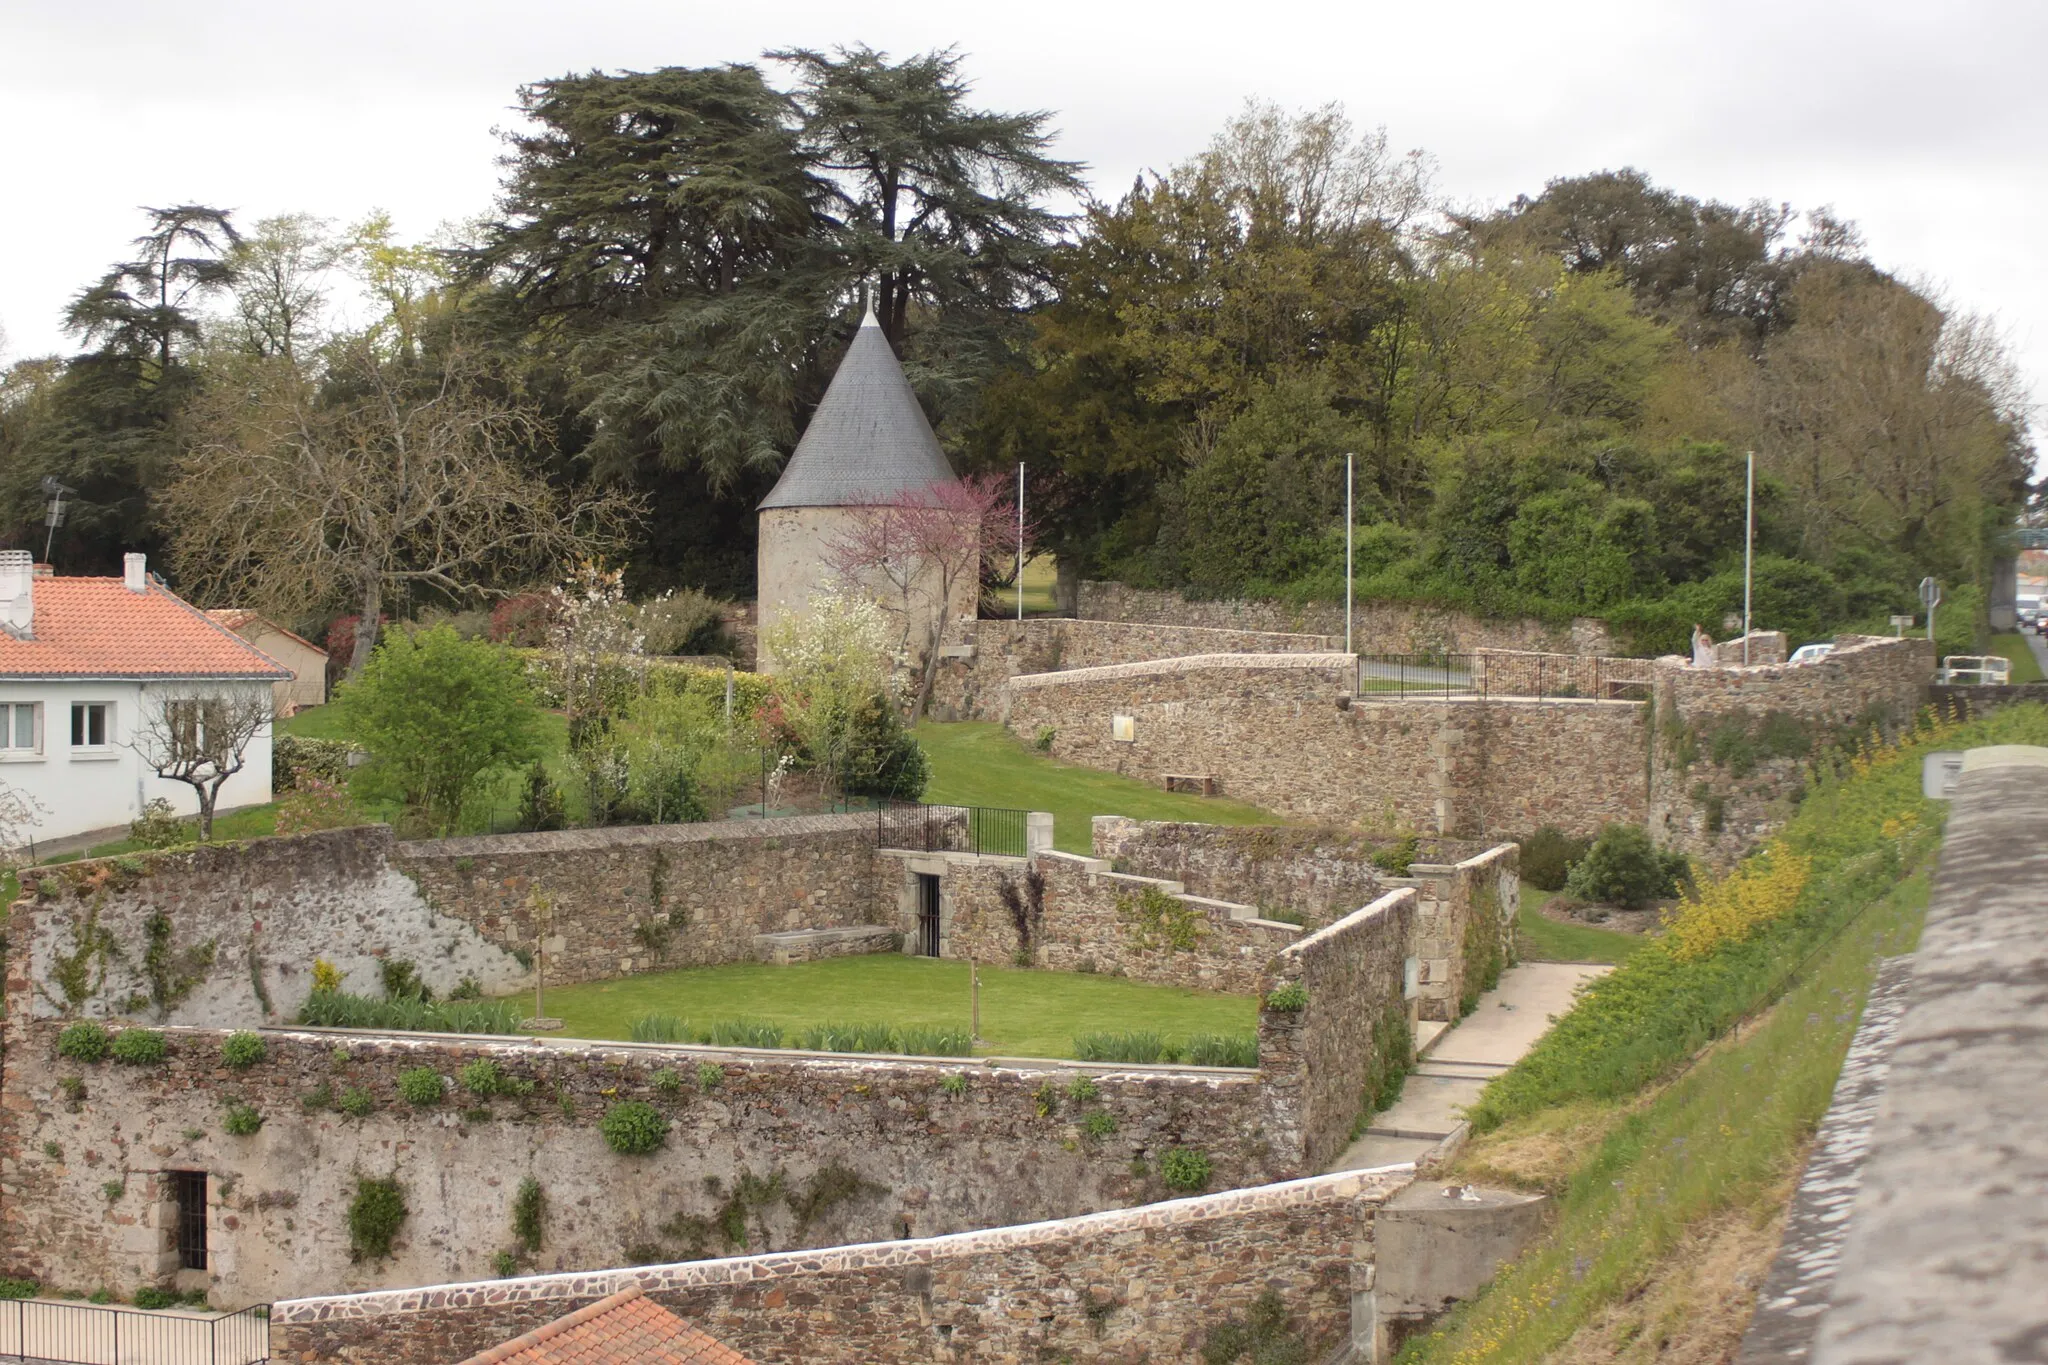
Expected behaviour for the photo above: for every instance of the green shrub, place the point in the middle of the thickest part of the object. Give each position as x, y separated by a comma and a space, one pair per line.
937, 1040
1291, 998
1137, 1045
374, 1218
505, 1264
633, 1128
529, 1214
1185, 1168
660, 1028
1397, 857
667, 1082
241, 1121
19, 1289
1624, 868
1548, 856
1047, 1099
339, 1009
159, 826
242, 1049
149, 1296
356, 1102
1265, 1337
953, 1084
138, 1047
744, 1032
326, 759
710, 1076
84, 1041
421, 1085
1221, 1049
1098, 1124
1082, 1089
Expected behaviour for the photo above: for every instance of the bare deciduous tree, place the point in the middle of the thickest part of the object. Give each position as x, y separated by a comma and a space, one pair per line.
202, 738
19, 813
293, 494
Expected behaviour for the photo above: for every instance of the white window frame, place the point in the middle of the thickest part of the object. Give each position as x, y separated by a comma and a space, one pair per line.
86, 748
8, 720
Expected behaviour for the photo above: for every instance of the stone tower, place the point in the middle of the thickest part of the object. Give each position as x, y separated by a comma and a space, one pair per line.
867, 443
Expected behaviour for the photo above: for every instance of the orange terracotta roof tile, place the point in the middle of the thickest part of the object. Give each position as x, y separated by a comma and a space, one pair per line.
626, 1329
97, 628
234, 618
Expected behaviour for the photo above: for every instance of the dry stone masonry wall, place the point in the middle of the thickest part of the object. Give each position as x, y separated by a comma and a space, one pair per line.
1138, 1284
619, 901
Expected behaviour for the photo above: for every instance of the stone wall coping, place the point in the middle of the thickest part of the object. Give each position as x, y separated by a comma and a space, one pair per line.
1384, 905
1492, 652
1098, 866
862, 1062
1492, 855
1094, 623
627, 836
1430, 699
1380, 1183
1191, 663
1166, 884
956, 858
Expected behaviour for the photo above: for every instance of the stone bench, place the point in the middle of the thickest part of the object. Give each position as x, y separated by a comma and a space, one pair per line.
808, 945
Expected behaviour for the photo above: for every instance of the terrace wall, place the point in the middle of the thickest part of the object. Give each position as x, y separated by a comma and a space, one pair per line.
226, 934
636, 899
1284, 732
1377, 627
1139, 1284
796, 1150
1315, 1061
1085, 918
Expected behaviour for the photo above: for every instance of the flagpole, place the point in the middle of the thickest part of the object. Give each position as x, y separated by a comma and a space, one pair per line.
1349, 537
1020, 540
1748, 551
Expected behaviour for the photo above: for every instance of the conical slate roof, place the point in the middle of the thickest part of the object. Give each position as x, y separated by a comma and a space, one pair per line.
868, 441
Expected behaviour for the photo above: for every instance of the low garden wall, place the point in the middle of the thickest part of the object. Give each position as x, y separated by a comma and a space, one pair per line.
1335, 1028
1284, 732
1136, 1284
641, 898
1377, 627
1464, 928
760, 1151
1070, 913
227, 934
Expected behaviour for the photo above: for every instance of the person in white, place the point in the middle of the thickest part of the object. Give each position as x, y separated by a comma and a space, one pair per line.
1702, 647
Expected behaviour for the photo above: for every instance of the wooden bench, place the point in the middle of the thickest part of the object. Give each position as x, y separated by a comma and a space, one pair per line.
1200, 784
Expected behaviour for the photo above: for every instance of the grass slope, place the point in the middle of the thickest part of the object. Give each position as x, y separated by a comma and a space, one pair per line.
2025, 667
1670, 1109
975, 763
1023, 1013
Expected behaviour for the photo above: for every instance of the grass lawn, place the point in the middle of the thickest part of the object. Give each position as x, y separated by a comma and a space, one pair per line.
1040, 575
1023, 1013
1543, 939
977, 763
2025, 667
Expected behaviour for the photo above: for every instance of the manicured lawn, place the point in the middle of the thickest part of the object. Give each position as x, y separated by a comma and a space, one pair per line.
1023, 1013
2025, 667
976, 763
1544, 939
1041, 574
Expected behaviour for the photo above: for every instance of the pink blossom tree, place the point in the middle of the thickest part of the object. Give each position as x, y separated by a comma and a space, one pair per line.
919, 551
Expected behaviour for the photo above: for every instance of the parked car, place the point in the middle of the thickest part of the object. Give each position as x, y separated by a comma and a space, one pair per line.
1976, 670
1806, 654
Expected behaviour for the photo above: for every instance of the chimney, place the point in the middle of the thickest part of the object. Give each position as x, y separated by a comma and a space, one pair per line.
17, 593
135, 572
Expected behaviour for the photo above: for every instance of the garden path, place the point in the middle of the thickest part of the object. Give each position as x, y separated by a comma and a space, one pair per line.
1456, 1063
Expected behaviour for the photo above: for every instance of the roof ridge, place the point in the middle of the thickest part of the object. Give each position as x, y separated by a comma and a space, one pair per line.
154, 584
548, 1331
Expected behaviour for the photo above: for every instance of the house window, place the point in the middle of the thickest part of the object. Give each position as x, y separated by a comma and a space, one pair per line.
20, 727
188, 1188
89, 724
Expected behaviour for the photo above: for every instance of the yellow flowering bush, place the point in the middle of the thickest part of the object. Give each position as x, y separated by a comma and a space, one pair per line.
1757, 892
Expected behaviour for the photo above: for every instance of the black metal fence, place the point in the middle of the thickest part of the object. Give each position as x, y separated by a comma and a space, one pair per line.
1534, 677
951, 829
88, 1334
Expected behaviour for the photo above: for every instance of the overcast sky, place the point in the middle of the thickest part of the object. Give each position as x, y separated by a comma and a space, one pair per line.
1923, 122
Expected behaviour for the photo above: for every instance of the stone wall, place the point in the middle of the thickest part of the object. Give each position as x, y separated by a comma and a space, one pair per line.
636, 899
1141, 1284
789, 1150
1520, 673
1284, 732
1733, 744
1316, 1060
1377, 627
983, 655
1464, 927
226, 934
1085, 917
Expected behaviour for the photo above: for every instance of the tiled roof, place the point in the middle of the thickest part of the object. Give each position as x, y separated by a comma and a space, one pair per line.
236, 618
625, 1329
97, 628
868, 441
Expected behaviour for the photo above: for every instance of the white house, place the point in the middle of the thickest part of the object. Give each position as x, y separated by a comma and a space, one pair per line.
88, 666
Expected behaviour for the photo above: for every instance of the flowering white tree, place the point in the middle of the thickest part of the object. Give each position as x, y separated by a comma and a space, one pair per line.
829, 664
595, 628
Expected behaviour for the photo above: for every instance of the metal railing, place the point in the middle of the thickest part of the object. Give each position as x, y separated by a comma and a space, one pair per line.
88, 1334
951, 829
1503, 674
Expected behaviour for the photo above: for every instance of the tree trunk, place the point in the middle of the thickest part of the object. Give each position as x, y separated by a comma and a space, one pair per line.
209, 794
371, 606
931, 671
